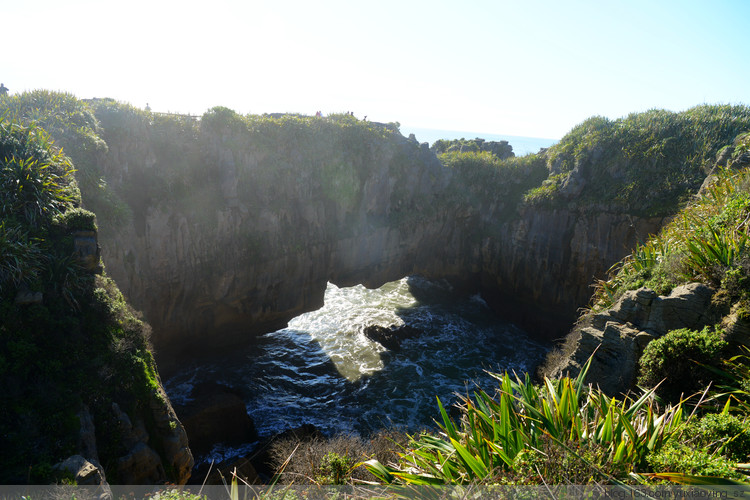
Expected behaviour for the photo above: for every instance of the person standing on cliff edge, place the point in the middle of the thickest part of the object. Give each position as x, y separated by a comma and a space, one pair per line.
3, 89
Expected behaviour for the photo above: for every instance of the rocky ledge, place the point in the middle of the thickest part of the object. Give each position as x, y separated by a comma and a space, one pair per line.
615, 339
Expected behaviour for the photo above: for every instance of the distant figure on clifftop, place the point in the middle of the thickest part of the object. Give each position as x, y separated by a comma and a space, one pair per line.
3, 89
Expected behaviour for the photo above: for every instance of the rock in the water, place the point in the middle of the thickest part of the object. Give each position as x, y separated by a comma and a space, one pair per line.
392, 336
215, 415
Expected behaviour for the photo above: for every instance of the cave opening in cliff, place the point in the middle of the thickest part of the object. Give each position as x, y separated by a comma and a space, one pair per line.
371, 358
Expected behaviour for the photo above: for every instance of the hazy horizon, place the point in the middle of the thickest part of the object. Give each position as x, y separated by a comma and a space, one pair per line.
529, 69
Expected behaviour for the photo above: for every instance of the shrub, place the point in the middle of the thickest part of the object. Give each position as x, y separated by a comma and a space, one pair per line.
332, 461
678, 457
334, 469
675, 359
722, 433
78, 219
36, 182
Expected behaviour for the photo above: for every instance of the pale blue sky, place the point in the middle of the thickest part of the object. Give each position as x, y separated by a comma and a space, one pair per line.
525, 68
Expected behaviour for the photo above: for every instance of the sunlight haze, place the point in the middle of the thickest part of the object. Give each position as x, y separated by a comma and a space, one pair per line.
532, 68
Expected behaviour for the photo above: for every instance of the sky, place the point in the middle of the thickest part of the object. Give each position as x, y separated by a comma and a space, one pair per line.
531, 68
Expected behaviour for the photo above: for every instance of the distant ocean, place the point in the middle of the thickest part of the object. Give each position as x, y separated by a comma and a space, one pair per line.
521, 145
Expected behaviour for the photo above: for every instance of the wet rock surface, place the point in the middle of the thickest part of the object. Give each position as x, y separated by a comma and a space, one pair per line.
391, 337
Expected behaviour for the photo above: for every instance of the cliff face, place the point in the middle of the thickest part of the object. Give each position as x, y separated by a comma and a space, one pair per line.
248, 252
278, 209
540, 269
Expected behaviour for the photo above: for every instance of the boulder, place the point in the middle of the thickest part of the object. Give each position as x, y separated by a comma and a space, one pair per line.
737, 327
87, 249
141, 465
83, 472
216, 414
390, 337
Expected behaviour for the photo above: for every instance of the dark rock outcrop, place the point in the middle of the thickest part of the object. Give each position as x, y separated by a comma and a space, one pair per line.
390, 337
215, 414
142, 463
83, 472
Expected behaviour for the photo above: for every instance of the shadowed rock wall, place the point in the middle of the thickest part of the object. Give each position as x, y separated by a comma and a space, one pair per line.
234, 228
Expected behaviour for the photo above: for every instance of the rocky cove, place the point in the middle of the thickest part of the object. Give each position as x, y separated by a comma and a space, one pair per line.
223, 229
232, 229
263, 228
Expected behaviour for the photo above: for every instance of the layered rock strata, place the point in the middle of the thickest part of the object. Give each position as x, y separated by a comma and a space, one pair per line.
614, 340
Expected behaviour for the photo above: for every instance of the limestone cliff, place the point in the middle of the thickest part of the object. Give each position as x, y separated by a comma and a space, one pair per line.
539, 270
236, 225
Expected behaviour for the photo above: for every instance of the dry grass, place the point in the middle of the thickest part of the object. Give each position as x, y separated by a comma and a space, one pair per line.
309, 459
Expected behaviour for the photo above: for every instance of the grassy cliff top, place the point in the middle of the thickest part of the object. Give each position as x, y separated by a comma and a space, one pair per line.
646, 163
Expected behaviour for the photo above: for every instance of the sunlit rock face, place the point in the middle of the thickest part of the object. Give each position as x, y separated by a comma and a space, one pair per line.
233, 229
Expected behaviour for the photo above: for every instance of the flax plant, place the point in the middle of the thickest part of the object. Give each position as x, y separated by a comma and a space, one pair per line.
494, 431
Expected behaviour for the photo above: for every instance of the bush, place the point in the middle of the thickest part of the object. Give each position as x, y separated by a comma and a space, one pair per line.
675, 359
709, 446
722, 433
334, 469
78, 219
678, 457
575, 462
332, 461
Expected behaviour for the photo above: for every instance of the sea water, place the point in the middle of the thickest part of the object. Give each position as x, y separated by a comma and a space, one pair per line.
521, 145
323, 370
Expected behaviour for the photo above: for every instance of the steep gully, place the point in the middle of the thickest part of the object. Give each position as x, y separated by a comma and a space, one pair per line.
211, 270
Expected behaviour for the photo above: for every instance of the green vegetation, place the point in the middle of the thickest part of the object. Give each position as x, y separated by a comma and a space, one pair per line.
644, 164
499, 438
500, 149
676, 359
68, 340
491, 185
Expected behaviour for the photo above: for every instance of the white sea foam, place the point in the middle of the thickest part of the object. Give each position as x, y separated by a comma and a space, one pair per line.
323, 370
